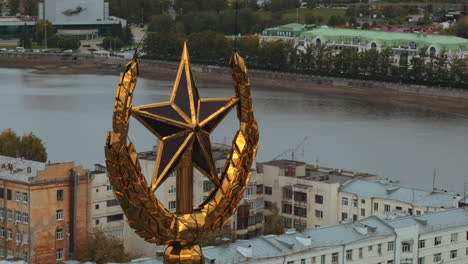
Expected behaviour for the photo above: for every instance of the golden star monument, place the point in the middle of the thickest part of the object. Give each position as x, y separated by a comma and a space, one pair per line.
183, 126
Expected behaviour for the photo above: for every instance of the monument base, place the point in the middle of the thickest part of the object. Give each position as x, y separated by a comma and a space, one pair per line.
178, 254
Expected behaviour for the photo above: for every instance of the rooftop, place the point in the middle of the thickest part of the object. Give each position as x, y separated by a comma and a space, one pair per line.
284, 163
389, 39
389, 191
18, 169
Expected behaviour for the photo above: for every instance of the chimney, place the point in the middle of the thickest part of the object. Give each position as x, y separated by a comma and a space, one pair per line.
29, 169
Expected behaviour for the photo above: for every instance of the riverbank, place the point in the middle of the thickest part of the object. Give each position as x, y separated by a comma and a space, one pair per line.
419, 97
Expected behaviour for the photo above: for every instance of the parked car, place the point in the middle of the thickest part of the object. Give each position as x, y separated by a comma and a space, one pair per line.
19, 49
3, 50
68, 51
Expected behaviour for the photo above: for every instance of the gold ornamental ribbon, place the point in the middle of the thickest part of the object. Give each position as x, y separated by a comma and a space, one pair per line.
145, 213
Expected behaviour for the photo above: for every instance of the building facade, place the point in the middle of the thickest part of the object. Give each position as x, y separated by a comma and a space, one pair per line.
44, 210
438, 237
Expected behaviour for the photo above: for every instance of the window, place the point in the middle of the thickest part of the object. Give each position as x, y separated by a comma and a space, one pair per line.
25, 237
319, 199
418, 212
406, 247
379, 248
344, 201
354, 217
18, 196
422, 243
17, 253
399, 208
344, 216
287, 208
97, 189
59, 253
390, 262
25, 218
113, 218
335, 258
18, 236
2, 213
172, 189
363, 212
355, 203
10, 234
59, 215
2, 233
25, 198
59, 234
349, 254
9, 254
268, 190
207, 186
60, 195
453, 237
437, 257
8, 194
10, 215
290, 262
287, 193
412, 45
260, 189
300, 211
300, 196
360, 252
322, 259
363, 201
313, 260
96, 221
437, 240
96, 206
110, 188
390, 246
386, 208
111, 203
370, 248
453, 254
318, 214
25, 256
303, 261
376, 206
172, 205
267, 204
2, 195
17, 216
421, 260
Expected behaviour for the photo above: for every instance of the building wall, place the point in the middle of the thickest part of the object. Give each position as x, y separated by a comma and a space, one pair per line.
92, 11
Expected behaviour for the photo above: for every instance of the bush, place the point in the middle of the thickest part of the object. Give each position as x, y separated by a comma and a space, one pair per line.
110, 43
69, 42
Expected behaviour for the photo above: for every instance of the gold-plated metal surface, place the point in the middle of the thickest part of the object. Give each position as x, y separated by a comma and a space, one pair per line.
183, 126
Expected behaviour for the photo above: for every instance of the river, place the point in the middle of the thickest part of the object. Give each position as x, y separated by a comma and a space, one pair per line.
72, 113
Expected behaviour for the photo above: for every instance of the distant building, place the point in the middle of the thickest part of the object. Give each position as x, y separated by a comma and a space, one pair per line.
86, 19
439, 237
403, 45
43, 210
311, 196
284, 32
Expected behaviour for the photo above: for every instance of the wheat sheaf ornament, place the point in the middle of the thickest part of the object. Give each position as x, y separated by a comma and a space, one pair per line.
183, 126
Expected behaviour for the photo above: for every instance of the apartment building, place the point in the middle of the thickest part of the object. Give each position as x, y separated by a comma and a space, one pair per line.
306, 195
106, 214
43, 211
360, 198
437, 237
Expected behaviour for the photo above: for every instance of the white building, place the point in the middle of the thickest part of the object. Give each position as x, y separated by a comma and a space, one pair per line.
440, 237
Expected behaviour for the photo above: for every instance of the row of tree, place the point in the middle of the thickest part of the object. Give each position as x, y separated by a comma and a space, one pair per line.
27, 146
40, 37
214, 48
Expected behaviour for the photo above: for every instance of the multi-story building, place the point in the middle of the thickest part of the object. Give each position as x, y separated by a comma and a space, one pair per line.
285, 32
361, 198
312, 196
43, 210
438, 237
106, 214
306, 195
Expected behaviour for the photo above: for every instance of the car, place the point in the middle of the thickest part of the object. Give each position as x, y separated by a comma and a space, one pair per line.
3, 50
45, 51
19, 49
68, 51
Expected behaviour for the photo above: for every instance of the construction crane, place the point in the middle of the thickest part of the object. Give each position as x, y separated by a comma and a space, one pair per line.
291, 150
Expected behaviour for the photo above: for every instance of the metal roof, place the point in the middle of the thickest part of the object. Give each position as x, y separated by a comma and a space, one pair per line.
386, 39
19, 170
383, 190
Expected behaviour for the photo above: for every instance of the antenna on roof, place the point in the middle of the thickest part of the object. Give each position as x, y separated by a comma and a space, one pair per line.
316, 161
434, 179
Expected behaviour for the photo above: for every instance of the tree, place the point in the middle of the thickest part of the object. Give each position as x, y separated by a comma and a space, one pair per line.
460, 28
13, 6
102, 249
127, 35
110, 43
163, 45
209, 45
161, 23
39, 34
25, 38
273, 222
218, 237
28, 146
69, 42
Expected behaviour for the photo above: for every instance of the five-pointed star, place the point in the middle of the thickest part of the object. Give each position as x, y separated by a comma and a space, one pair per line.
186, 120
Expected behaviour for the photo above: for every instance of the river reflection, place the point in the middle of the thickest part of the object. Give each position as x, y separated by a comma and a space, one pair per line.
72, 113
